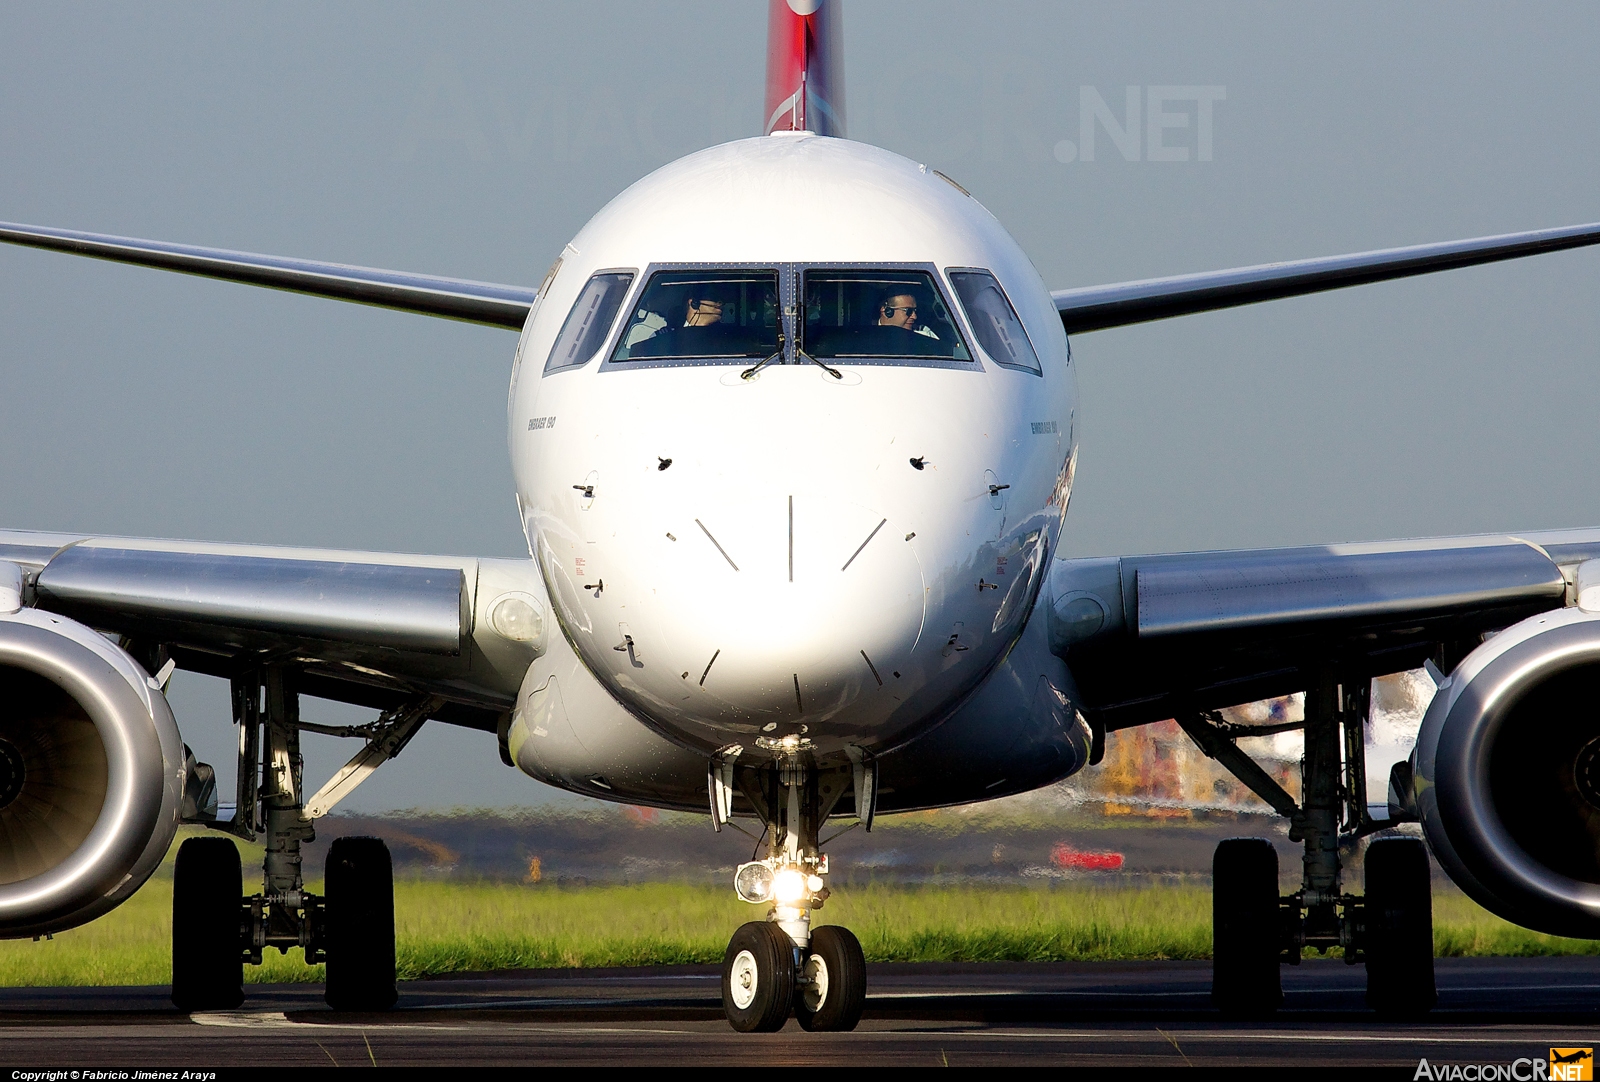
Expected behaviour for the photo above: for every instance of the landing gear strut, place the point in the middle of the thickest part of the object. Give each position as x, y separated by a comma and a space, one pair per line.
215, 931
781, 965
1254, 930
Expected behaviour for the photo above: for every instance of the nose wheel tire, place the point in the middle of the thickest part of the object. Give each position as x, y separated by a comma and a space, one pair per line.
833, 989
1399, 921
1245, 981
758, 978
360, 925
207, 951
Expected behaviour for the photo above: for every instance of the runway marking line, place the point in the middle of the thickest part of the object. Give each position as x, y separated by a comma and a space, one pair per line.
615, 1004
1021, 995
280, 1021
1223, 1035
1528, 988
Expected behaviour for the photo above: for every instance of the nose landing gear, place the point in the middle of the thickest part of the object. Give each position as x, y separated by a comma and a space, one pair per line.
780, 966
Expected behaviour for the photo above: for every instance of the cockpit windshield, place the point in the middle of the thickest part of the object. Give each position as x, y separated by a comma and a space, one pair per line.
879, 314
688, 314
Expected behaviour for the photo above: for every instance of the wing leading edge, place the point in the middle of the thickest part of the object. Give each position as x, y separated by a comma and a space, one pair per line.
1094, 308
423, 294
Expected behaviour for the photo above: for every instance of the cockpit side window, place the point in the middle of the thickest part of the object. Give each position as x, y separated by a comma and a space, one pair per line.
999, 332
703, 315
590, 320
881, 315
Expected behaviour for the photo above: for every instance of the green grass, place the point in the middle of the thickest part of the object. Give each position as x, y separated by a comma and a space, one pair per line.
447, 927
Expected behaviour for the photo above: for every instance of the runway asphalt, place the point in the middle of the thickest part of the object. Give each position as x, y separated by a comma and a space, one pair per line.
1138, 1014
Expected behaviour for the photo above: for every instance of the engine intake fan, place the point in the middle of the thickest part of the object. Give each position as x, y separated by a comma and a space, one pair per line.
1507, 778
92, 774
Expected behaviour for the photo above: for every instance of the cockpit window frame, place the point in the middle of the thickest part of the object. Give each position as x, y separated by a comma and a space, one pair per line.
941, 287
791, 284
636, 294
973, 331
610, 335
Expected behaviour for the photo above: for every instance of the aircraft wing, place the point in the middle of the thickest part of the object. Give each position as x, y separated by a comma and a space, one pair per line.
371, 628
1089, 308
451, 298
1150, 637
1094, 308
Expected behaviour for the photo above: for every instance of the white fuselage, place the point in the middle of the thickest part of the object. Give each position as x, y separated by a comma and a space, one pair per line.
791, 572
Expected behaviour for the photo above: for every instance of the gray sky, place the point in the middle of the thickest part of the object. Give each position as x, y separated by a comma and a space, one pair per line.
474, 140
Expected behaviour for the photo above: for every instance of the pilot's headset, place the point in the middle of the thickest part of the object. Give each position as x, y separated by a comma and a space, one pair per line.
886, 307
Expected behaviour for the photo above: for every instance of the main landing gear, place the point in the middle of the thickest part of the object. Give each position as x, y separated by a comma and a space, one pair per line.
1254, 930
781, 965
215, 931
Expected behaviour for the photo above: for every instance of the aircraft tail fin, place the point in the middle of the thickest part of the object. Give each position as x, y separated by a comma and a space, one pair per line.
805, 67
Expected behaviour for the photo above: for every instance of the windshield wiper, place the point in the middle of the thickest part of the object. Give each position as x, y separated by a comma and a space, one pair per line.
753, 369
834, 372
758, 366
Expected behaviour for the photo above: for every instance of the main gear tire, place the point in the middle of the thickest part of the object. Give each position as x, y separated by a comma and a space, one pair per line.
207, 906
1245, 929
359, 922
1399, 928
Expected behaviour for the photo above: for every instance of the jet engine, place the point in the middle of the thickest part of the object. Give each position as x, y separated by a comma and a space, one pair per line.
1507, 774
92, 772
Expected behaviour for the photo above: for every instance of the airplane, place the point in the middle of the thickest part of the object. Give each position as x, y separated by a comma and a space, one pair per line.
793, 480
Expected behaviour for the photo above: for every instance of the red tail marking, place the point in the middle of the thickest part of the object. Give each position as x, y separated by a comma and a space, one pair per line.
805, 67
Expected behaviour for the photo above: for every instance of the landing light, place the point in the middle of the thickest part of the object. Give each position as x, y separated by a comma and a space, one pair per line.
789, 885
753, 882
517, 617
758, 881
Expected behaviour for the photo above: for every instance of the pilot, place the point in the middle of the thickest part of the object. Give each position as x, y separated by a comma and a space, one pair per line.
900, 310
657, 335
702, 312
701, 331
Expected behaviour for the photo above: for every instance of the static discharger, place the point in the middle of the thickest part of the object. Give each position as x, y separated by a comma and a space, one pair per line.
873, 667
712, 662
864, 544
714, 541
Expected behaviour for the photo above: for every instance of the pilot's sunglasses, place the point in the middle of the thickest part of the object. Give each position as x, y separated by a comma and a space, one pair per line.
893, 308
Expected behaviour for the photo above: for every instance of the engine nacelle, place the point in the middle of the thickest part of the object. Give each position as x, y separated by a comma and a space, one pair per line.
91, 774
1507, 774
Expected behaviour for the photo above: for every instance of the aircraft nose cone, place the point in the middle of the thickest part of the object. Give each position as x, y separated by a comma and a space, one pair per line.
782, 613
